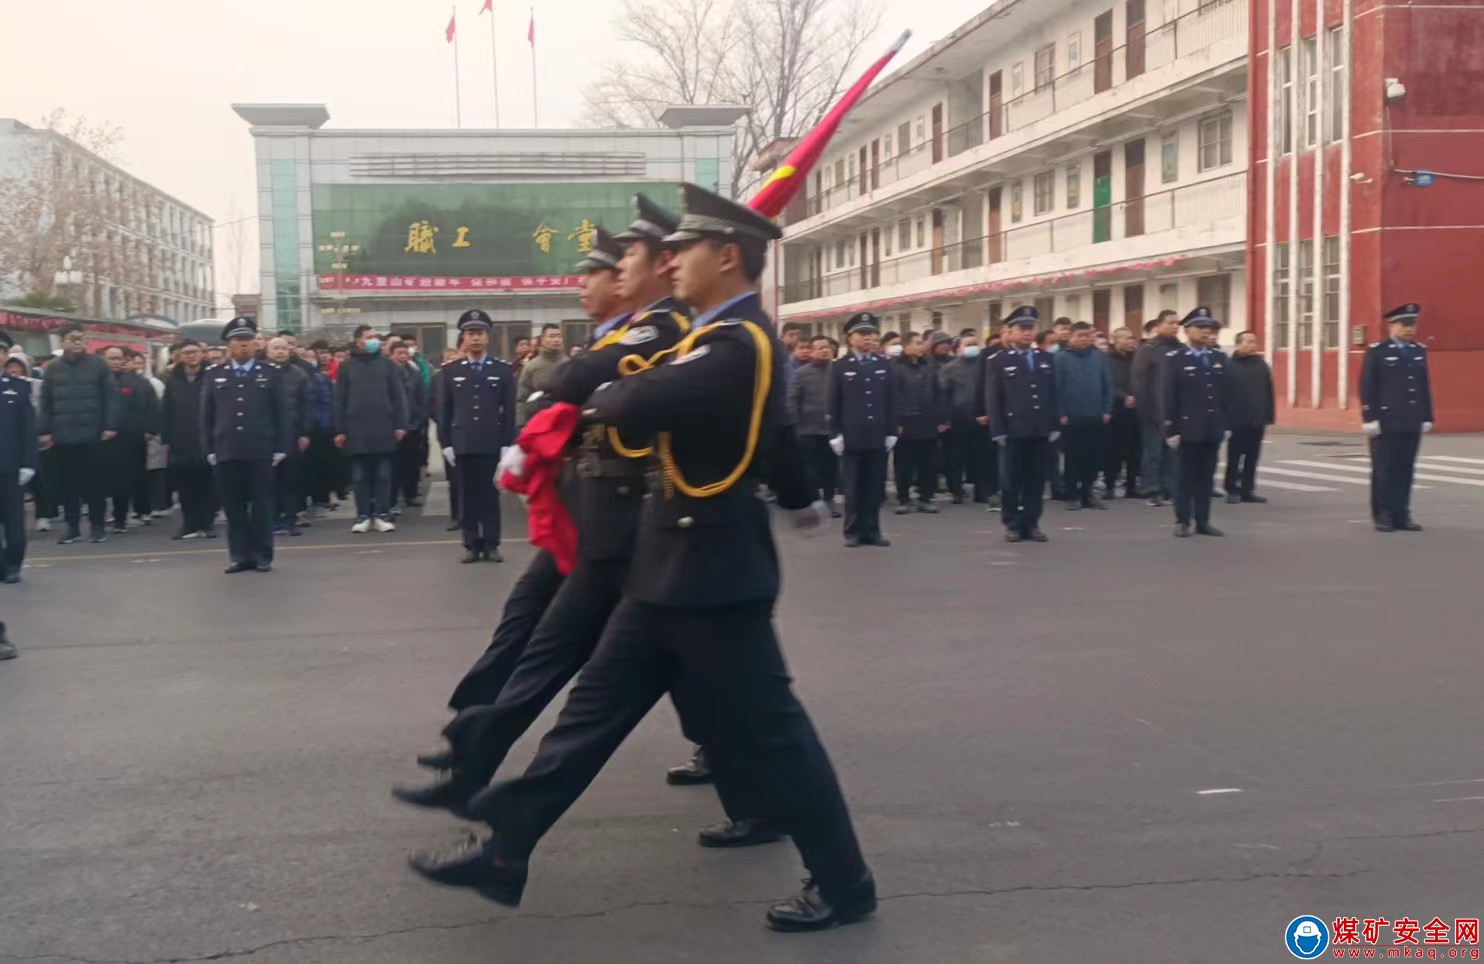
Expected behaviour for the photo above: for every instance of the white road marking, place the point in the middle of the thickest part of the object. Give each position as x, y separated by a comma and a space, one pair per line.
1207, 793
1457, 799
1268, 483
1426, 478
1320, 476
1447, 467
1456, 458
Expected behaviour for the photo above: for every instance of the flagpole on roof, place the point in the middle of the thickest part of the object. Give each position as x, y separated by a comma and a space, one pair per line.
489, 7
453, 38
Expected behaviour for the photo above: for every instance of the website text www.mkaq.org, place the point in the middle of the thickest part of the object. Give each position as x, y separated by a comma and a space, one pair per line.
1407, 953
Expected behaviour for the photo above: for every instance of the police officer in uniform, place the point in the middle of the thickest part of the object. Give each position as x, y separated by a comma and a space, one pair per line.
478, 412
696, 618
1020, 403
247, 429
1195, 384
18, 459
1396, 409
863, 418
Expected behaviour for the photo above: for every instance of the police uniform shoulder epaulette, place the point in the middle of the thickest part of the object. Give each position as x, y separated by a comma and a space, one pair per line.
1420, 345
1173, 352
1375, 344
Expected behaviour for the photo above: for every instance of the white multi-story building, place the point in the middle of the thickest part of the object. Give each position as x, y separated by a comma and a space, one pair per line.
1085, 156
114, 245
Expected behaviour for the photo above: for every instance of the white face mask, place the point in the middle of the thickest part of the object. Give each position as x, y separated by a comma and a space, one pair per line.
895, 351
971, 351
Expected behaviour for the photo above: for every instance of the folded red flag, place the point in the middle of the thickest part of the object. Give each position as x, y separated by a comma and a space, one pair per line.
543, 440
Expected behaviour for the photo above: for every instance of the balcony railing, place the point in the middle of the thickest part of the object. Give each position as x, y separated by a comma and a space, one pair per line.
1193, 208
1184, 36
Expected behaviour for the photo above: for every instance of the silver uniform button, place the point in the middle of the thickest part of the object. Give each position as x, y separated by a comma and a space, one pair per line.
686, 522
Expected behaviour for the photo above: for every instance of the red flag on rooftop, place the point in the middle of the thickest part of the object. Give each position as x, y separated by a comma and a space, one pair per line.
453, 26
789, 177
531, 32
489, 5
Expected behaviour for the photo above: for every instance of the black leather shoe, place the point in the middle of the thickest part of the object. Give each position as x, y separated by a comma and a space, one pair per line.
695, 772
11, 578
471, 556
1036, 535
442, 759
1255, 499
1232, 498
1384, 525
927, 507
1012, 536
475, 865
1182, 530
1209, 531
810, 911
851, 542
451, 793
1409, 526
958, 498
237, 567
69, 537
264, 567
835, 513
740, 833
880, 542
98, 537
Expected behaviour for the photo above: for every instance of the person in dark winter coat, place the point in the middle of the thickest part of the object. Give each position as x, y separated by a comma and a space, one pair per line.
412, 450
1158, 476
809, 408
370, 419
1084, 402
18, 462
920, 420
1250, 410
79, 412
180, 429
1123, 449
138, 422
288, 475
966, 449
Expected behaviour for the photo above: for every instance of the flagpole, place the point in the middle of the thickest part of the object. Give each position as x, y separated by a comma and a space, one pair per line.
535, 108
458, 106
495, 60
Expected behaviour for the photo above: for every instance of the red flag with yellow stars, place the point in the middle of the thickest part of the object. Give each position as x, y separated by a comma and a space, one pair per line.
790, 175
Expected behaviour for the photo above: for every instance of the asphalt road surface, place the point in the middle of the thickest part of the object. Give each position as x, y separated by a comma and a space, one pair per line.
1114, 747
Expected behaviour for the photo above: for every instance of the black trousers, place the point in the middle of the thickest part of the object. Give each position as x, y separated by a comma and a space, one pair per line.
725, 671
455, 497
288, 490
1054, 474
197, 489
1123, 452
318, 467
524, 607
1195, 475
126, 476
1083, 440
246, 490
913, 461
863, 477
82, 471
1242, 452
1158, 475
411, 456
966, 457
1025, 464
479, 508
1393, 463
44, 488
821, 465
12, 523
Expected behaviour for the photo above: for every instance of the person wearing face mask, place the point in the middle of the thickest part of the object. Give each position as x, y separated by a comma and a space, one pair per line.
370, 420
966, 446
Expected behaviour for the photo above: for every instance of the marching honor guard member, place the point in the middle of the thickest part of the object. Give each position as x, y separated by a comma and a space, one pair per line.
1195, 411
1021, 407
862, 419
1396, 409
697, 615
247, 429
477, 409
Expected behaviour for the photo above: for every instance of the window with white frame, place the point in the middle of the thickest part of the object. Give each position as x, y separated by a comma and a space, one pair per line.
1306, 293
850, 177
1339, 89
1074, 186
904, 136
1283, 108
849, 253
1017, 210
921, 129
1045, 191
886, 242
921, 232
840, 173
1074, 50
1332, 291
886, 147
1169, 157
1214, 139
839, 254
1310, 66
1045, 65
904, 234
1017, 80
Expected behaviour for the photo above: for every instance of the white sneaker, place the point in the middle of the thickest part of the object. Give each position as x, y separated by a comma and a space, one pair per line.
363, 526
43, 525
384, 526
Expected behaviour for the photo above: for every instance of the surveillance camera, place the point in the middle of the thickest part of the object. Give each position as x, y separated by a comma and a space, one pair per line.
1395, 89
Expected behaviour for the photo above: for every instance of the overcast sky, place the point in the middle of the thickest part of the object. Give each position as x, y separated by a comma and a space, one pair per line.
166, 71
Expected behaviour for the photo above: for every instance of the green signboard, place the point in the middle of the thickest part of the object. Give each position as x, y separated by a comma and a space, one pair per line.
469, 230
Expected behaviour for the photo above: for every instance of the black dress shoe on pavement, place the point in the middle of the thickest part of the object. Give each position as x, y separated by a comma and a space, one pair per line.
851, 542
740, 833
237, 567
1036, 535
927, 507
880, 542
264, 567
475, 865
1409, 526
69, 537
1254, 499
1384, 525
1232, 498
451, 793
958, 498
695, 771
1182, 530
810, 911
441, 759
473, 555
1013, 536
11, 578
98, 537
835, 513
1208, 531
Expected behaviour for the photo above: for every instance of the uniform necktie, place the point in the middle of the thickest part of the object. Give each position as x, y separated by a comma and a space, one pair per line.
1205, 359
1030, 362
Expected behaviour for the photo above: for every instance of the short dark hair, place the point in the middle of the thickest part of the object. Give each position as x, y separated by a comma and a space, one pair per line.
1082, 326
550, 326
69, 328
187, 343
968, 331
1042, 337
320, 345
834, 343
361, 330
890, 336
1167, 313
1151, 325
1063, 320
285, 333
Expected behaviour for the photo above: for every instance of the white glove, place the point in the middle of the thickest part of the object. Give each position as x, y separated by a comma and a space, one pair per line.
535, 396
1426, 427
1173, 441
891, 442
27, 475
211, 460
1000, 439
1226, 436
449, 456
812, 519
837, 445
278, 457
1372, 428
512, 460
1053, 436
